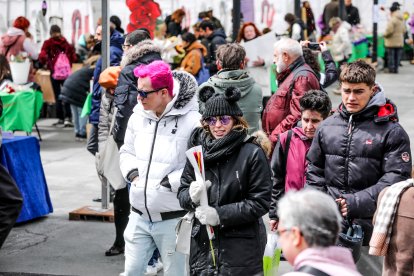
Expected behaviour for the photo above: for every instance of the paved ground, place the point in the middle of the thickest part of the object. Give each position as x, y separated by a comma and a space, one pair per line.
55, 245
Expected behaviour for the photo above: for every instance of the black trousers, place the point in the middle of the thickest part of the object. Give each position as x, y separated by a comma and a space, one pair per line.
62, 109
121, 214
92, 144
394, 57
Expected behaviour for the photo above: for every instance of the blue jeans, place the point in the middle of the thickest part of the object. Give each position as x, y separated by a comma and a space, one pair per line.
79, 122
142, 237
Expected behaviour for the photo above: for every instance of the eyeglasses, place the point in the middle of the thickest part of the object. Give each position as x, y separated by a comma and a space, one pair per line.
224, 120
144, 93
125, 46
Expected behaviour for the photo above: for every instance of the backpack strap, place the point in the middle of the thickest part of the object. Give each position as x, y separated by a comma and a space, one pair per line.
312, 271
287, 146
301, 72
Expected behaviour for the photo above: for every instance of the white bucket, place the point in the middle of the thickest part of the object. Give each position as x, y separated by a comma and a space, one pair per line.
20, 71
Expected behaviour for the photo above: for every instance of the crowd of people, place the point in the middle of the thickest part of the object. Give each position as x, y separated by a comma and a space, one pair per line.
317, 170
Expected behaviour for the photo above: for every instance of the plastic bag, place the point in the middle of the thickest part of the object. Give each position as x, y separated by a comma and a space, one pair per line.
271, 257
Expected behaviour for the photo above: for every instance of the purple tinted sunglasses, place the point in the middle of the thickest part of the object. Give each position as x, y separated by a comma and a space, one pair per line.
224, 120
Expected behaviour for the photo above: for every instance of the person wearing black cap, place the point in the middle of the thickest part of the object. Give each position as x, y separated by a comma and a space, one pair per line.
138, 50
352, 13
117, 23
215, 20
394, 38
239, 194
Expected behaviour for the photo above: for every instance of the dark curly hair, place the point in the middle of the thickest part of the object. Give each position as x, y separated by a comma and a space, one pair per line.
311, 58
188, 37
316, 100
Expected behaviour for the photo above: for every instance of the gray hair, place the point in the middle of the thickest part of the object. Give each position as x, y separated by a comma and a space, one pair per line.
314, 213
289, 46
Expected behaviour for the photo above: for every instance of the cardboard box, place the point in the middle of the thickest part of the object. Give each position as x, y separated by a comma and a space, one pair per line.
42, 78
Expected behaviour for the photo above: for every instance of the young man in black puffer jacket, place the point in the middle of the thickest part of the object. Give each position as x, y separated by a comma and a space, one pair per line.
359, 150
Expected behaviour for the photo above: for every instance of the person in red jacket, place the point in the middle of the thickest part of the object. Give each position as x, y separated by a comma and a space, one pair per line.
295, 77
288, 161
48, 56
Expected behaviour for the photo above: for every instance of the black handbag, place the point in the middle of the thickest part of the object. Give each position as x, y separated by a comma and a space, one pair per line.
352, 238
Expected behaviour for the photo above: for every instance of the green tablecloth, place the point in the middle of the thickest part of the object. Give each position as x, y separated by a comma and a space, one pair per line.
359, 51
380, 46
20, 110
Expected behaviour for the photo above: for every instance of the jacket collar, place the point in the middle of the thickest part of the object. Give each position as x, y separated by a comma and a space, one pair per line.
285, 73
300, 133
116, 40
232, 74
184, 101
197, 45
379, 108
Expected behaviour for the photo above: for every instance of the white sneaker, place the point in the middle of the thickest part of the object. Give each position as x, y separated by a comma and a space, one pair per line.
159, 265
151, 270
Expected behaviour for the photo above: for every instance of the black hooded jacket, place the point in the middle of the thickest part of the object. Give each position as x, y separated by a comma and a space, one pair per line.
240, 192
217, 38
77, 86
10, 203
355, 156
125, 97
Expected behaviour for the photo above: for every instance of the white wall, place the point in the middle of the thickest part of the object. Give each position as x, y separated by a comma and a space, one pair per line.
222, 10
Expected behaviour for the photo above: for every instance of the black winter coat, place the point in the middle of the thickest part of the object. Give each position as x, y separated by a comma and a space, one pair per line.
77, 86
10, 203
331, 73
240, 192
125, 97
173, 28
352, 15
356, 156
217, 38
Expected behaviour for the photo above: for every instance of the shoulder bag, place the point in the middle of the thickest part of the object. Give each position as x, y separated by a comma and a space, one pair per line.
108, 160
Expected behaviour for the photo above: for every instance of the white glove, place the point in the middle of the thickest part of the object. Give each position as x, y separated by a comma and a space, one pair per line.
196, 190
207, 215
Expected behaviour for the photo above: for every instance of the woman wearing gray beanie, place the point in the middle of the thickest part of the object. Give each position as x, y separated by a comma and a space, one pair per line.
239, 194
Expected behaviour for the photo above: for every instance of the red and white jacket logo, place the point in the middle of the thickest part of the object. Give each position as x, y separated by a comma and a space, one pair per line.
368, 142
405, 157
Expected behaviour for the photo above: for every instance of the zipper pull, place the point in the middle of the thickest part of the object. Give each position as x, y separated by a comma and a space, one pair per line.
350, 125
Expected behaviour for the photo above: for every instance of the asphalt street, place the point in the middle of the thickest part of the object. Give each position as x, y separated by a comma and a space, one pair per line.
54, 245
